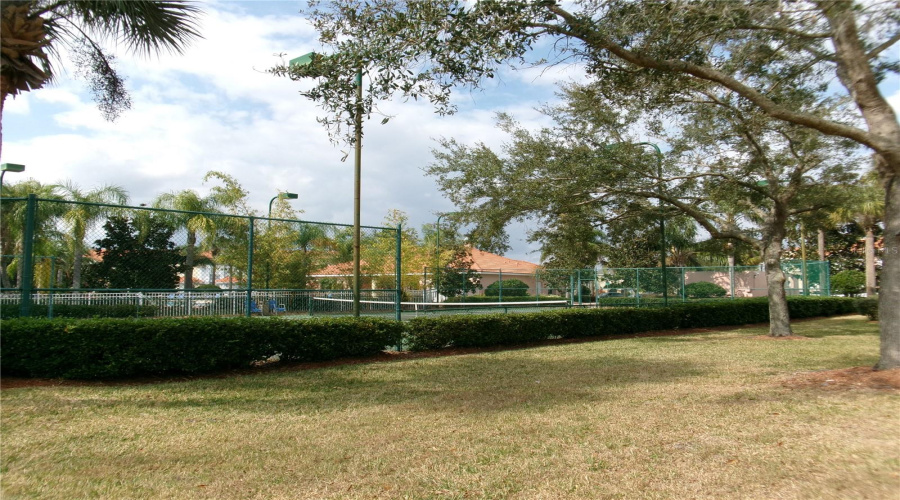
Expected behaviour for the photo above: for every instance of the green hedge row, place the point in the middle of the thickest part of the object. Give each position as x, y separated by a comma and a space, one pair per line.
116, 348
477, 299
501, 329
868, 307
82, 311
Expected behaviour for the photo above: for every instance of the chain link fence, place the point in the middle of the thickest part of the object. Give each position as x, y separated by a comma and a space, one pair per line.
619, 286
73, 258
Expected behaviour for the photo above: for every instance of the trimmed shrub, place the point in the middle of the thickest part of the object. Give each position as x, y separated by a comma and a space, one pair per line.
506, 298
704, 290
491, 330
116, 348
511, 288
82, 311
848, 282
868, 307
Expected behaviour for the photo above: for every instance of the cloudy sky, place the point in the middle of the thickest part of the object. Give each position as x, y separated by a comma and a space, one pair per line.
215, 108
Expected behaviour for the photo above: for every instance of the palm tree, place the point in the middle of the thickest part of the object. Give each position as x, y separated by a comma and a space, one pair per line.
33, 32
81, 215
193, 223
12, 225
865, 207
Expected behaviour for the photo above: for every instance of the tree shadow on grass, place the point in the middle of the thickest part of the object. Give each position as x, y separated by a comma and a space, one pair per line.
460, 384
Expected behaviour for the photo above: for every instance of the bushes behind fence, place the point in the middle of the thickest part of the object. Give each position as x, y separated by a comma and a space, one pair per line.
82, 311
116, 348
499, 329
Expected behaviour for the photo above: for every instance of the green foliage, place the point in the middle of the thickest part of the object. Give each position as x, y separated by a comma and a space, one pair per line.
499, 329
848, 282
868, 307
506, 298
509, 288
82, 311
207, 286
116, 348
133, 257
704, 290
81, 26
457, 278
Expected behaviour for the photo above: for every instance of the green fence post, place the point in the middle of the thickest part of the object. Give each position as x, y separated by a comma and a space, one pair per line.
398, 264
683, 278
249, 270
580, 301
27, 283
637, 286
500, 285
52, 285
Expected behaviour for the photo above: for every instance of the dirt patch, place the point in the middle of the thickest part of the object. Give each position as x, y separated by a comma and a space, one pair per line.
847, 379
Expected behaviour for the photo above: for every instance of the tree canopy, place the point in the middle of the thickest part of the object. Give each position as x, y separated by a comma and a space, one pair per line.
816, 65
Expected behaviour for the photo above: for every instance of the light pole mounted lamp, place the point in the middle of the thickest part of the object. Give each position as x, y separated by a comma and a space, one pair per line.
9, 167
437, 248
279, 196
307, 59
662, 218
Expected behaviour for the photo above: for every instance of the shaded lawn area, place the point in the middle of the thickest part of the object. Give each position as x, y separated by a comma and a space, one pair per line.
704, 415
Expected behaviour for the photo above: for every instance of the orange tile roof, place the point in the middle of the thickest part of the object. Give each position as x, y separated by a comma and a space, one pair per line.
486, 261
342, 269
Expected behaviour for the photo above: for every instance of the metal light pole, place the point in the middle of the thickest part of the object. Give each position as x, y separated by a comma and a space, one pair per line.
662, 219
279, 196
437, 250
357, 171
9, 167
662, 222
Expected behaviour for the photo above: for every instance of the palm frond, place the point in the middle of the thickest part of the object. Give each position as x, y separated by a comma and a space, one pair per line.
143, 26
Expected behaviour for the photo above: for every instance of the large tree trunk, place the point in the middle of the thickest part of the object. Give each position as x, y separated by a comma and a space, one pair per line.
779, 317
855, 72
821, 244
888, 307
870, 262
189, 260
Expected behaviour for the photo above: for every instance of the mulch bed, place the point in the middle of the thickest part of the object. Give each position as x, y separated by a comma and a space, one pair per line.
847, 379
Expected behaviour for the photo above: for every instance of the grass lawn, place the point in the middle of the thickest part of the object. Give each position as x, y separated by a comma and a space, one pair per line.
695, 416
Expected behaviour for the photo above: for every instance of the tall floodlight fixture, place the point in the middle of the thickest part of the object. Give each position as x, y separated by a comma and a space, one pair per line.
279, 196
437, 248
662, 218
9, 167
357, 170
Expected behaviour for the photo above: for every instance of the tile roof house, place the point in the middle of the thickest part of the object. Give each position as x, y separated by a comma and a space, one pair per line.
494, 268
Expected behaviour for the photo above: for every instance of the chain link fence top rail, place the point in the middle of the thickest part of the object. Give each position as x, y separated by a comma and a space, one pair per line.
65, 253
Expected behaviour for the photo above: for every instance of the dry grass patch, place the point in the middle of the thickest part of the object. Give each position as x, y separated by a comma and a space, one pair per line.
697, 416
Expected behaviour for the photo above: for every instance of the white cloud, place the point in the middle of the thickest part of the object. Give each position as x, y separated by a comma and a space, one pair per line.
214, 109
18, 105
